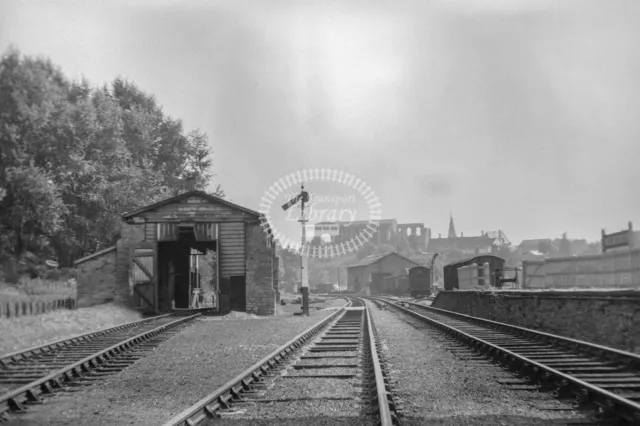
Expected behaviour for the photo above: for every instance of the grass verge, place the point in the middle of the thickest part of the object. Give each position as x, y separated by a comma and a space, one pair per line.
24, 332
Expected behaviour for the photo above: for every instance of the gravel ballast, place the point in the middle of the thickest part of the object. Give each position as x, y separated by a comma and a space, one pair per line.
436, 388
178, 373
304, 397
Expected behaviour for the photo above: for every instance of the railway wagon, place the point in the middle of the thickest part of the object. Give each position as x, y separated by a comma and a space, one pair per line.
420, 281
451, 270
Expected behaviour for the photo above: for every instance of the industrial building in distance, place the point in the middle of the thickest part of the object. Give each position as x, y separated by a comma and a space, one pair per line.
389, 232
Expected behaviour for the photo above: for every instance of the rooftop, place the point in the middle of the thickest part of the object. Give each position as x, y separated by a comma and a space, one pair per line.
370, 260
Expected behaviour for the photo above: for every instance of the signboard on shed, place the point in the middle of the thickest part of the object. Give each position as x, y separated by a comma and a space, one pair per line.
618, 239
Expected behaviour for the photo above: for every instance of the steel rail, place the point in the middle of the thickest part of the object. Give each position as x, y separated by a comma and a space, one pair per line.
29, 392
598, 349
48, 347
381, 390
219, 398
610, 401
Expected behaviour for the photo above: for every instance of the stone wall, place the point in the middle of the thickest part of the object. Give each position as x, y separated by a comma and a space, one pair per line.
610, 318
261, 297
96, 278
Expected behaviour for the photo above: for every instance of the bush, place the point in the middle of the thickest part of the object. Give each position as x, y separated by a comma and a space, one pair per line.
41, 287
53, 275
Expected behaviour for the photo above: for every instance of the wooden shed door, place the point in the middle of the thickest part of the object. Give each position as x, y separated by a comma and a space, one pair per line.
142, 270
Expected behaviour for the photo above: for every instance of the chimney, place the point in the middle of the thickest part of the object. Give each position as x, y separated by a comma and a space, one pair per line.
461, 234
439, 235
482, 233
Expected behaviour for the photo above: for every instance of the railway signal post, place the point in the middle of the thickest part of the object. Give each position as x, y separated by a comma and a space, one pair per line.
304, 272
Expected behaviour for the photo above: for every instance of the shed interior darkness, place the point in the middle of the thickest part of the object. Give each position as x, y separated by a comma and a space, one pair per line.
176, 278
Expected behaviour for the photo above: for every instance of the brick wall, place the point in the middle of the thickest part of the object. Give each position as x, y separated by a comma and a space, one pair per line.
610, 318
129, 234
96, 278
261, 297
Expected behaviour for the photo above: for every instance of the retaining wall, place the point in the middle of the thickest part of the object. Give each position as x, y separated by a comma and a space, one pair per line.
610, 318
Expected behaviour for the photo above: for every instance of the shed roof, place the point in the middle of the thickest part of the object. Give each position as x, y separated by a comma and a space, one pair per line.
202, 194
534, 242
462, 262
368, 261
96, 254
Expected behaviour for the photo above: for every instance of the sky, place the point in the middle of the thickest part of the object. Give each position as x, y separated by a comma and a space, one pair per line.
520, 115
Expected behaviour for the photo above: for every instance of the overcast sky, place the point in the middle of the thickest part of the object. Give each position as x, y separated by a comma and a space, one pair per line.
519, 115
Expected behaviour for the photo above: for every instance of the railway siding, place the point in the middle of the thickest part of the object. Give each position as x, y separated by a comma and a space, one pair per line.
436, 386
610, 318
176, 374
597, 377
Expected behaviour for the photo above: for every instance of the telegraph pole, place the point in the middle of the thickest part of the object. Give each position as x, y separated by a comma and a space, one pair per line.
304, 260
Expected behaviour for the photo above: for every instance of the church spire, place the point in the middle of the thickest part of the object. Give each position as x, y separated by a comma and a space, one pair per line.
452, 228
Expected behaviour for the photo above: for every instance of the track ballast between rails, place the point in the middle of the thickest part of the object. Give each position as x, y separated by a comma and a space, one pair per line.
342, 346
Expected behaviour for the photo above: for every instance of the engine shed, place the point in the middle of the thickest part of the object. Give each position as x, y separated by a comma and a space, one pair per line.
154, 265
372, 270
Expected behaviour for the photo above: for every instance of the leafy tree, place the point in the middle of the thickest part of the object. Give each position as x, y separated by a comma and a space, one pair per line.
73, 158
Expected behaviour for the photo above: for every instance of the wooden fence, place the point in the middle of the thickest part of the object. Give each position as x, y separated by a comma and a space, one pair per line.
34, 306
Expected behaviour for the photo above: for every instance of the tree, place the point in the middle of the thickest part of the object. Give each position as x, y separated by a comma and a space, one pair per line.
73, 158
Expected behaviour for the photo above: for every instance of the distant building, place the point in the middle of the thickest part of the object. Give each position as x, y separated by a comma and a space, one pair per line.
360, 274
534, 244
485, 243
389, 232
532, 255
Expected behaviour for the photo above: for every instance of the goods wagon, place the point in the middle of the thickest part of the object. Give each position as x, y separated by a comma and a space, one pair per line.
415, 281
451, 270
420, 281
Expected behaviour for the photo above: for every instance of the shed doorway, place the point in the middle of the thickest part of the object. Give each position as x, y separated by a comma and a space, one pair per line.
181, 268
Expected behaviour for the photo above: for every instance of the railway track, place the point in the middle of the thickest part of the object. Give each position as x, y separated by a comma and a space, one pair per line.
329, 374
29, 375
598, 377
